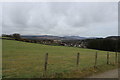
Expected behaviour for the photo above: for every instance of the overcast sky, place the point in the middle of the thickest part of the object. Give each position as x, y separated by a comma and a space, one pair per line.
61, 18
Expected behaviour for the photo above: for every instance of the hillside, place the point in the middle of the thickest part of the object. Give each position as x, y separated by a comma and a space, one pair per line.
51, 37
26, 60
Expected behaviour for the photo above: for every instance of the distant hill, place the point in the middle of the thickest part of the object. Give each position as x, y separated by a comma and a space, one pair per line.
113, 37
41, 37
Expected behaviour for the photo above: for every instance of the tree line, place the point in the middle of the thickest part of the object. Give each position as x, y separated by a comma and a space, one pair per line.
106, 44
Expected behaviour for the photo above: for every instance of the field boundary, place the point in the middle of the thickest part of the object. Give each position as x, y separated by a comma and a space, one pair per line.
94, 68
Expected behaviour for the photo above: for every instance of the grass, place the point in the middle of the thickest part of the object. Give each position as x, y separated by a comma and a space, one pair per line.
26, 60
0, 59
89, 71
4, 37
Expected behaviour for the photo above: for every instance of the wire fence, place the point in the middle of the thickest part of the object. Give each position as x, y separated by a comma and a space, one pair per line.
79, 61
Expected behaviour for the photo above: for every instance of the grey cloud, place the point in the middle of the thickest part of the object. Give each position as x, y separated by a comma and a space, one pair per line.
60, 18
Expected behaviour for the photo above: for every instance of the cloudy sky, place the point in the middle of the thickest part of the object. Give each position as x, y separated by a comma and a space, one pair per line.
87, 19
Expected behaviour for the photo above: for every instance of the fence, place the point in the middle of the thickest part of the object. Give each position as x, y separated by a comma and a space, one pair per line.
56, 62
96, 60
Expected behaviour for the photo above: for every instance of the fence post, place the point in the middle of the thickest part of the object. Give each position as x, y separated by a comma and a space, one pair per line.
116, 57
78, 54
107, 57
45, 64
96, 56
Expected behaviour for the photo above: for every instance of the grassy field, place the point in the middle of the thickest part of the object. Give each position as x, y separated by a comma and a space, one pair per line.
26, 60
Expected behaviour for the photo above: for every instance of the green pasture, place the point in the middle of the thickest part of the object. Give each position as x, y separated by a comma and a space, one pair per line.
26, 60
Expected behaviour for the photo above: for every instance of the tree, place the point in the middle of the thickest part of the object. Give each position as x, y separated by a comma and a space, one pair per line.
5, 35
16, 36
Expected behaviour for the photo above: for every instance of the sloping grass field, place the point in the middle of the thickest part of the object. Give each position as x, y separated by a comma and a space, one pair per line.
26, 60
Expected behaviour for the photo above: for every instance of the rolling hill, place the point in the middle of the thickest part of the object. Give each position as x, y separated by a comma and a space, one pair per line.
39, 37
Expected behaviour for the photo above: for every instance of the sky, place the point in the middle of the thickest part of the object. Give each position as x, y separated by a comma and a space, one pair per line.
88, 19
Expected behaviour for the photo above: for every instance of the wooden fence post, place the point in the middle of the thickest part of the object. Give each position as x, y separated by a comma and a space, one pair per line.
107, 57
45, 65
96, 56
78, 54
116, 57
46, 61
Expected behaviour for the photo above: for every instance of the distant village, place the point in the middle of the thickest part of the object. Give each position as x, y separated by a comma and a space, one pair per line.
108, 44
72, 43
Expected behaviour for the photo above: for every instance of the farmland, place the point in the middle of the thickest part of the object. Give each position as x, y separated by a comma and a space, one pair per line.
26, 60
